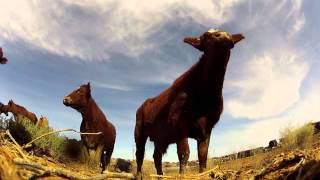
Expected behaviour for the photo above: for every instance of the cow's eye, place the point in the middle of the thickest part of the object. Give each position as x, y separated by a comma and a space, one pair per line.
77, 91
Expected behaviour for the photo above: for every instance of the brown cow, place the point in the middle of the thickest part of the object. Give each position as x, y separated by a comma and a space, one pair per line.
18, 111
3, 60
99, 147
190, 107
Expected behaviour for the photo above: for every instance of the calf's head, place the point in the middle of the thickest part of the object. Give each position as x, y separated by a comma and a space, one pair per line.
214, 40
78, 98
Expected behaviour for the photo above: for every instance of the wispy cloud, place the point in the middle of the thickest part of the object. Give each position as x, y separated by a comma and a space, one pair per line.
141, 42
106, 85
270, 85
264, 130
91, 30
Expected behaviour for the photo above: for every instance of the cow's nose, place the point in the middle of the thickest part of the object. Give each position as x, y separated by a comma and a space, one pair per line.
66, 100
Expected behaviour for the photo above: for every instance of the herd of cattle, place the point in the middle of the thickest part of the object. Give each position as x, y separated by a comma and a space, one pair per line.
190, 108
20, 112
250, 152
273, 144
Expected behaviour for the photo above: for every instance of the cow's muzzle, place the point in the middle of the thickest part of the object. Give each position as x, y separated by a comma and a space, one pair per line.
67, 100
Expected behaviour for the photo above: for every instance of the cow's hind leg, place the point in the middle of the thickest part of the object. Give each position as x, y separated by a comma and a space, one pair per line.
203, 146
183, 154
103, 161
157, 156
106, 158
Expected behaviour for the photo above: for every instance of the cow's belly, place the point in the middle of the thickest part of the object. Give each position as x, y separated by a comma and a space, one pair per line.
161, 134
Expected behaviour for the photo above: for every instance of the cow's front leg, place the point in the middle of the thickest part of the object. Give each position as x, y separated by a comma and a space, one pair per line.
85, 153
203, 146
157, 156
92, 162
183, 154
98, 154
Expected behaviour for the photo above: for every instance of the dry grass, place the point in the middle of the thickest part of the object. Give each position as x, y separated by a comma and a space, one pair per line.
297, 138
257, 161
59, 147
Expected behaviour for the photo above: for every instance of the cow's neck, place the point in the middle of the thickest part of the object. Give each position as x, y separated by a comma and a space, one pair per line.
86, 111
213, 71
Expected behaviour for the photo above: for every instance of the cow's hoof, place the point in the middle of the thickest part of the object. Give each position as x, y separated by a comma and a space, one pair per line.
104, 171
139, 176
201, 169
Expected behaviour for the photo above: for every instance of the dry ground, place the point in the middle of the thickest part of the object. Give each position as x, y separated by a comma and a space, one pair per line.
274, 164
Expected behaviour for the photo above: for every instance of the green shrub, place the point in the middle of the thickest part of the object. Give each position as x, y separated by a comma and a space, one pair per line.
297, 138
55, 145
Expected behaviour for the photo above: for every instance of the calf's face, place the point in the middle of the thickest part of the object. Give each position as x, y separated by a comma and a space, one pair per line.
214, 40
78, 98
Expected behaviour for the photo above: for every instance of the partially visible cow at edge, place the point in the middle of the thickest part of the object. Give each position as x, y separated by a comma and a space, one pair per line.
190, 107
3, 60
18, 111
98, 147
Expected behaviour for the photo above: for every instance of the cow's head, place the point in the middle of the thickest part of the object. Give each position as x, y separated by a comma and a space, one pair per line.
4, 109
213, 40
78, 98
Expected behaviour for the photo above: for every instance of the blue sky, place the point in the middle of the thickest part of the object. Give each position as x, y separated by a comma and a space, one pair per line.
132, 50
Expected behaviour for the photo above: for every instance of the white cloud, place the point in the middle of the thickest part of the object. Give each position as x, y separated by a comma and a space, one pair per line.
271, 85
258, 133
92, 29
110, 85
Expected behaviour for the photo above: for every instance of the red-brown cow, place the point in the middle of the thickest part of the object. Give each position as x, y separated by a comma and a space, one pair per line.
18, 111
99, 147
190, 107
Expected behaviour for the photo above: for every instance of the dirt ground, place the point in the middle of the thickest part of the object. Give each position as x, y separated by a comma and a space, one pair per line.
16, 163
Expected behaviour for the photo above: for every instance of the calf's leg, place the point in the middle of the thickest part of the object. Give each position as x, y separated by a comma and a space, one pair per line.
183, 154
203, 146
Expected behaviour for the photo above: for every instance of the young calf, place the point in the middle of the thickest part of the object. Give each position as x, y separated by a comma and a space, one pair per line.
99, 147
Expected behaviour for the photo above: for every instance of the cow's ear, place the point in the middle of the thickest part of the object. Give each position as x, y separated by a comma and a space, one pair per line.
89, 89
236, 38
195, 42
10, 102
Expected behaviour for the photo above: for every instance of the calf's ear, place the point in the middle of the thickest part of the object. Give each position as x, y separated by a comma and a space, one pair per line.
195, 42
236, 38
